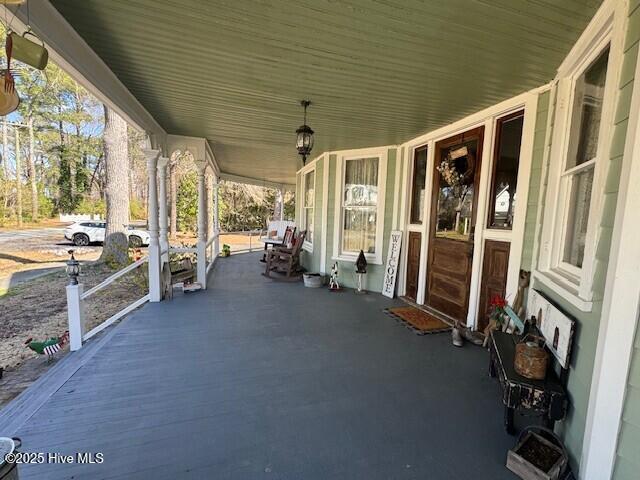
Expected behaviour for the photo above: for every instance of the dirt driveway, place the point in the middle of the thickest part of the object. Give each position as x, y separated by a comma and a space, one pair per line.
43, 248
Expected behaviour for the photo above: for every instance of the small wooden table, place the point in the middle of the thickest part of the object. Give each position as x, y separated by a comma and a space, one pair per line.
546, 398
269, 241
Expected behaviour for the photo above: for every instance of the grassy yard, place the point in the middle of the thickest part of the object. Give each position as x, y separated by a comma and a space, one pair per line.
38, 310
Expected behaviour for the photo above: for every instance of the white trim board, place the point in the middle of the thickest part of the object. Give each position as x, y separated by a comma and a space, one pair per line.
308, 164
325, 213
619, 319
311, 167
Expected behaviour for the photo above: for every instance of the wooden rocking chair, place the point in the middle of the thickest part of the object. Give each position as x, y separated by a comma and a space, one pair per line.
286, 261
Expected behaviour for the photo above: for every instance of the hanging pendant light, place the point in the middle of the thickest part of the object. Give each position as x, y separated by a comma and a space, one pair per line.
304, 140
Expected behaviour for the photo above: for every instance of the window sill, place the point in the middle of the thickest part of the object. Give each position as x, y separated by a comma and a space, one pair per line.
371, 259
564, 288
307, 247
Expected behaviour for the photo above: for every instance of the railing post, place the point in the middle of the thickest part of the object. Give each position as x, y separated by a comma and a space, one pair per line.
75, 311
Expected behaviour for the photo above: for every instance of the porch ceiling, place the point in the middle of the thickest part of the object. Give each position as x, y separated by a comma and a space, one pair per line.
377, 72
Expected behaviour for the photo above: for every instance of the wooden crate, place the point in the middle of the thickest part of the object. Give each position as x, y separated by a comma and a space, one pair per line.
526, 470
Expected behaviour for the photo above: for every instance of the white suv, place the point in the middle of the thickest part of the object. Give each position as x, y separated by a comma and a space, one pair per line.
84, 233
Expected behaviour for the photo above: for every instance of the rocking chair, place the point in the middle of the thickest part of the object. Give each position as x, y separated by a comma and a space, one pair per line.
286, 261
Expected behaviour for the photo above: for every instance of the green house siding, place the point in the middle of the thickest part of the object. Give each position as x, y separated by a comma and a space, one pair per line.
587, 325
627, 463
298, 197
535, 180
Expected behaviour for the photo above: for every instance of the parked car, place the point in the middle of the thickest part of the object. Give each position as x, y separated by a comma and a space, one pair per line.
84, 233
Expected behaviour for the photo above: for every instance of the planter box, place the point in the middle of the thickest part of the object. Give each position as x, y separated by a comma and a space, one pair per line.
313, 280
536, 458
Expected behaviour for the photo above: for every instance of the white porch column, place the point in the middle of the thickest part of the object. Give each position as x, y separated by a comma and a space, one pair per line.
154, 244
216, 216
202, 224
164, 216
210, 220
281, 201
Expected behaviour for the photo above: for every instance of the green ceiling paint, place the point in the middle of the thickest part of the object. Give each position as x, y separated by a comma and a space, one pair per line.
378, 72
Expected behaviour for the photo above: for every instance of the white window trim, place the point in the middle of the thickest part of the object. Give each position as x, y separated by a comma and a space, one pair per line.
620, 313
307, 245
574, 284
382, 154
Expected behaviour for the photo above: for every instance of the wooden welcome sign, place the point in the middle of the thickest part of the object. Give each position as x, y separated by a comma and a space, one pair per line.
393, 262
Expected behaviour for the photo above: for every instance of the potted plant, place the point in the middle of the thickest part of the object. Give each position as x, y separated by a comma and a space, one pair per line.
498, 317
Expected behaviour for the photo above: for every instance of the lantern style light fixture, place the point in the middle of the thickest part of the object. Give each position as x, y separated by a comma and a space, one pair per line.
304, 140
73, 269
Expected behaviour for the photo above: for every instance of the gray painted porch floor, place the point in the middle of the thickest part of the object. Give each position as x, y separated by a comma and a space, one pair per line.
257, 379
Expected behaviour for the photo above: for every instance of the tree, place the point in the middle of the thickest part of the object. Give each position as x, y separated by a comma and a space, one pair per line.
116, 160
31, 169
187, 202
18, 177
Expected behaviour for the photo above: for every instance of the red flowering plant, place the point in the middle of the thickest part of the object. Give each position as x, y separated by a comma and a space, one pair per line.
498, 313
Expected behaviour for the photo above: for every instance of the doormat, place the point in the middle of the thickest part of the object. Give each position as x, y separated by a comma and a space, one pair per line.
419, 321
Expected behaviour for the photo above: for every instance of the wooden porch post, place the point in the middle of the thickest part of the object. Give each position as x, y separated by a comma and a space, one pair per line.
202, 224
154, 244
164, 218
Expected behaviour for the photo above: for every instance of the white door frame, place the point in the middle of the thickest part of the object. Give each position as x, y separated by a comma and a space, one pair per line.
487, 118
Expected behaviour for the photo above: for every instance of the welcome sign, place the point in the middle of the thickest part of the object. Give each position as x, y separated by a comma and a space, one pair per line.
393, 261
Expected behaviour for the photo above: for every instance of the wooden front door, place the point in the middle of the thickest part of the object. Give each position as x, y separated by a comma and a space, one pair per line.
494, 277
413, 264
453, 218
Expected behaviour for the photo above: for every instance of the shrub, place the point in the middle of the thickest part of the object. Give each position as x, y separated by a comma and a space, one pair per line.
137, 210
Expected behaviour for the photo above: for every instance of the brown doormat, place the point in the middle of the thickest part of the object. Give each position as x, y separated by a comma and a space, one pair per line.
419, 321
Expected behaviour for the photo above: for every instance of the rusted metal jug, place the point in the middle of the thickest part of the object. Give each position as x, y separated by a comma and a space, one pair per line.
531, 358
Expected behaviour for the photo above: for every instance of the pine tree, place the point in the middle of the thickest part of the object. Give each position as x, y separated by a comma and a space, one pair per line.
116, 159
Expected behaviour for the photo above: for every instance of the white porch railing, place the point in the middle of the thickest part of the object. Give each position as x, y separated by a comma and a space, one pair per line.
76, 299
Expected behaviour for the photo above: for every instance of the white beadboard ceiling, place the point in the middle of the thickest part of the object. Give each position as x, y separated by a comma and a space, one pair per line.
378, 72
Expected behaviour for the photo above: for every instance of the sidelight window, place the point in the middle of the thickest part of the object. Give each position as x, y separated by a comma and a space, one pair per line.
308, 205
505, 170
418, 185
